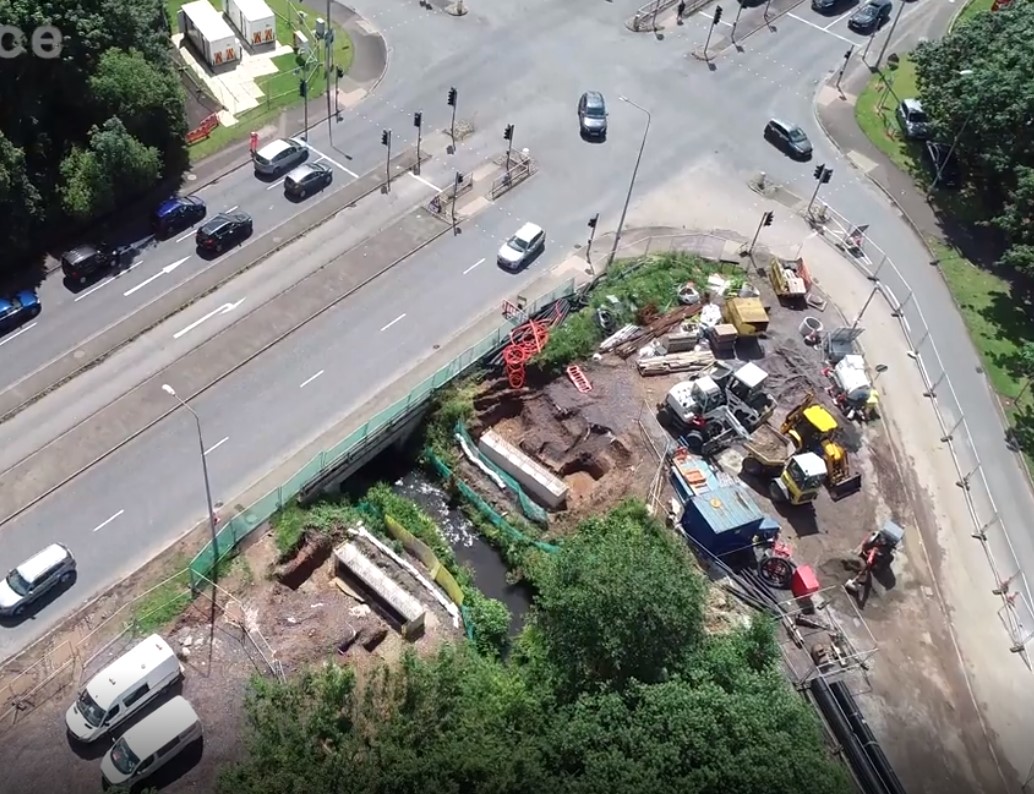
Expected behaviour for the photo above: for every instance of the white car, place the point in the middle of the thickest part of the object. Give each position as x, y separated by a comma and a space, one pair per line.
36, 576
525, 244
280, 156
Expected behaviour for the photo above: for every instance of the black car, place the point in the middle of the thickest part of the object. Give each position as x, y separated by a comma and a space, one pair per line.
308, 179
223, 231
87, 262
592, 115
939, 156
870, 17
176, 214
829, 6
788, 137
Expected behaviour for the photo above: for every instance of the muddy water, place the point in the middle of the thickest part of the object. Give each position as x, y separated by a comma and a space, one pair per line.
489, 568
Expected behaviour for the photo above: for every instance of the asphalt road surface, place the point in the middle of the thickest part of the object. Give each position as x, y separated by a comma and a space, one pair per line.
523, 63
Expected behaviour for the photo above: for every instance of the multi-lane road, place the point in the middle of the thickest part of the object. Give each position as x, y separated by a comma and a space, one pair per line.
523, 63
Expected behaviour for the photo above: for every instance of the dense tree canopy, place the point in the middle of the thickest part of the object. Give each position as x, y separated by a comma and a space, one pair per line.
977, 84
84, 133
711, 714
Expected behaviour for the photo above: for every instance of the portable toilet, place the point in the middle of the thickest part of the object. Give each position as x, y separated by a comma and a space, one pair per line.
206, 29
254, 20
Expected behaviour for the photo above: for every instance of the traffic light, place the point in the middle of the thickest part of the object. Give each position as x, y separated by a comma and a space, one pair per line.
418, 119
508, 133
767, 219
386, 137
452, 97
303, 88
827, 175
819, 171
594, 220
717, 15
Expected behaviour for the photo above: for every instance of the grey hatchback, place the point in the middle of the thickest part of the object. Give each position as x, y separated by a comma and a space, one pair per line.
592, 115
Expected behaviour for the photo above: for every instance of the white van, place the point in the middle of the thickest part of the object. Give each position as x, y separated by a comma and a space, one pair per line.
151, 743
122, 688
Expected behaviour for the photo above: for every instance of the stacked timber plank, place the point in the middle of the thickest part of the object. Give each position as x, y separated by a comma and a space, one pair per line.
697, 362
656, 328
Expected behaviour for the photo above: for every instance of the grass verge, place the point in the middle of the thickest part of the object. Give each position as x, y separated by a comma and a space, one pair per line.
162, 604
280, 90
637, 284
972, 9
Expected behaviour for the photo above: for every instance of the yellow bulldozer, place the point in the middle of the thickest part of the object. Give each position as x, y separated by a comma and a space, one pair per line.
812, 428
796, 477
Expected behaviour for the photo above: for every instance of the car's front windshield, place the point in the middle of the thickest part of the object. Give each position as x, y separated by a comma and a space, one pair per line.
595, 111
124, 759
518, 244
92, 713
17, 583
797, 135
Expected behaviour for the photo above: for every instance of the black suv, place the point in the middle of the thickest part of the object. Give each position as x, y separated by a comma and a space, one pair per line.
86, 262
224, 230
870, 17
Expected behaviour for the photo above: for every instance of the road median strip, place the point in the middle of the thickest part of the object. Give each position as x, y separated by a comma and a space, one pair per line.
121, 421
102, 344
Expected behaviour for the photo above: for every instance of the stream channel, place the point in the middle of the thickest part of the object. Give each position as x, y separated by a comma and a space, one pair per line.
471, 549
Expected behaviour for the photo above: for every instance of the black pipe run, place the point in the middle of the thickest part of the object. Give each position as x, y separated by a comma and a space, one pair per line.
863, 768
861, 729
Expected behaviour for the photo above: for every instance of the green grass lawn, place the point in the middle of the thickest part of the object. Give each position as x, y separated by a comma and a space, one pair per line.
982, 296
281, 90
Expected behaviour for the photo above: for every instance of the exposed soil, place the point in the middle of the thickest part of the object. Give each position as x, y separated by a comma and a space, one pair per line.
258, 623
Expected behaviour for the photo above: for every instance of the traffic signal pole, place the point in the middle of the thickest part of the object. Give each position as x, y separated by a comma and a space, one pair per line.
766, 220
386, 140
822, 176
452, 124
418, 122
714, 23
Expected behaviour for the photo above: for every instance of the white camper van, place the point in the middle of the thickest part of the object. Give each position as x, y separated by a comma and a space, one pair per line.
151, 743
122, 688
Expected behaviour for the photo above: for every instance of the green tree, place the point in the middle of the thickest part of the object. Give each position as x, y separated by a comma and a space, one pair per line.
621, 601
1024, 364
21, 205
491, 620
115, 167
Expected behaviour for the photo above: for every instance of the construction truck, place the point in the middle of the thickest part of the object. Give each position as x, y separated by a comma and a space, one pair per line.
877, 554
789, 279
744, 392
812, 428
747, 315
795, 478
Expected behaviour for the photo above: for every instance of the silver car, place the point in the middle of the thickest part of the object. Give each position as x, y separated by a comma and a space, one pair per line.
279, 156
35, 577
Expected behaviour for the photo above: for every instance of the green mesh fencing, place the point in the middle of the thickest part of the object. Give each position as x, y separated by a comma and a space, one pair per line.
486, 509
243, 524
531, 510
468, 622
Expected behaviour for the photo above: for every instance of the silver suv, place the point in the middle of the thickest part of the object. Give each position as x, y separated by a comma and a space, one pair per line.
35, 577
279, 156
913, 120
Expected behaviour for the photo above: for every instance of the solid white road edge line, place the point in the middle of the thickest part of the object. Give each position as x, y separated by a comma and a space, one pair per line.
307, 381
277, 184
216, 445
348, 171
107, 281
397, 319
423, 181
105, 523
473, 266
17, 333
185, 236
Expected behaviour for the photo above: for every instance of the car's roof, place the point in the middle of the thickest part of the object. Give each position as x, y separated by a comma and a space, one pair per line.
306, 168
912, 103
594, 98
171, 204
161, 725
145, 655
216, 221
273, 148
42, 561
80, 252
527, 231
27, 297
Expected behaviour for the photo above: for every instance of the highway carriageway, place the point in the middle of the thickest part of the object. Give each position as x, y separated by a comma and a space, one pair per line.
101, 344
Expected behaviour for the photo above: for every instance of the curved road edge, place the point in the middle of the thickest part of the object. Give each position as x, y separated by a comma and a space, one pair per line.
836, 120
370, 64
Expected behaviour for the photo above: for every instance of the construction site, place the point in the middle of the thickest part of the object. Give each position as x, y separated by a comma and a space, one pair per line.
741, 408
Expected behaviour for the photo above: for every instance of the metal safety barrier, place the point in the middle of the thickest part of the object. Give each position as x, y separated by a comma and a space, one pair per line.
988, 527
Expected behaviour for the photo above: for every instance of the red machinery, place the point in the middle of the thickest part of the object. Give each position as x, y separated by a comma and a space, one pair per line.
877, 553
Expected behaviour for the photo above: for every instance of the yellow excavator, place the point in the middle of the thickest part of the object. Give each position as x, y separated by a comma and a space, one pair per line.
812, 428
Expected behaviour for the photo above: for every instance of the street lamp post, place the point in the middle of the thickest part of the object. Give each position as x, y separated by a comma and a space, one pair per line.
204, 470
890, 35
955, 142
631, 184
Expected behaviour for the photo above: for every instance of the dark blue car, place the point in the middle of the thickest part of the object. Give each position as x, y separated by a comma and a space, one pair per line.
18, 309
177, 214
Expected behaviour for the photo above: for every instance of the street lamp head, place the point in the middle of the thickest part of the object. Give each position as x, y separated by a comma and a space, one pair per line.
168, 389
965, 72
623, 98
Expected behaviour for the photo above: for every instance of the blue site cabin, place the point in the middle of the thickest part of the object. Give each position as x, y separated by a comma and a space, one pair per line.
726, 520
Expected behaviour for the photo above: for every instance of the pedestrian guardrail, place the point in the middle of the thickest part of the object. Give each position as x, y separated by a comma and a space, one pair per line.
989, 529
645, 17
520, 169
254, 516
